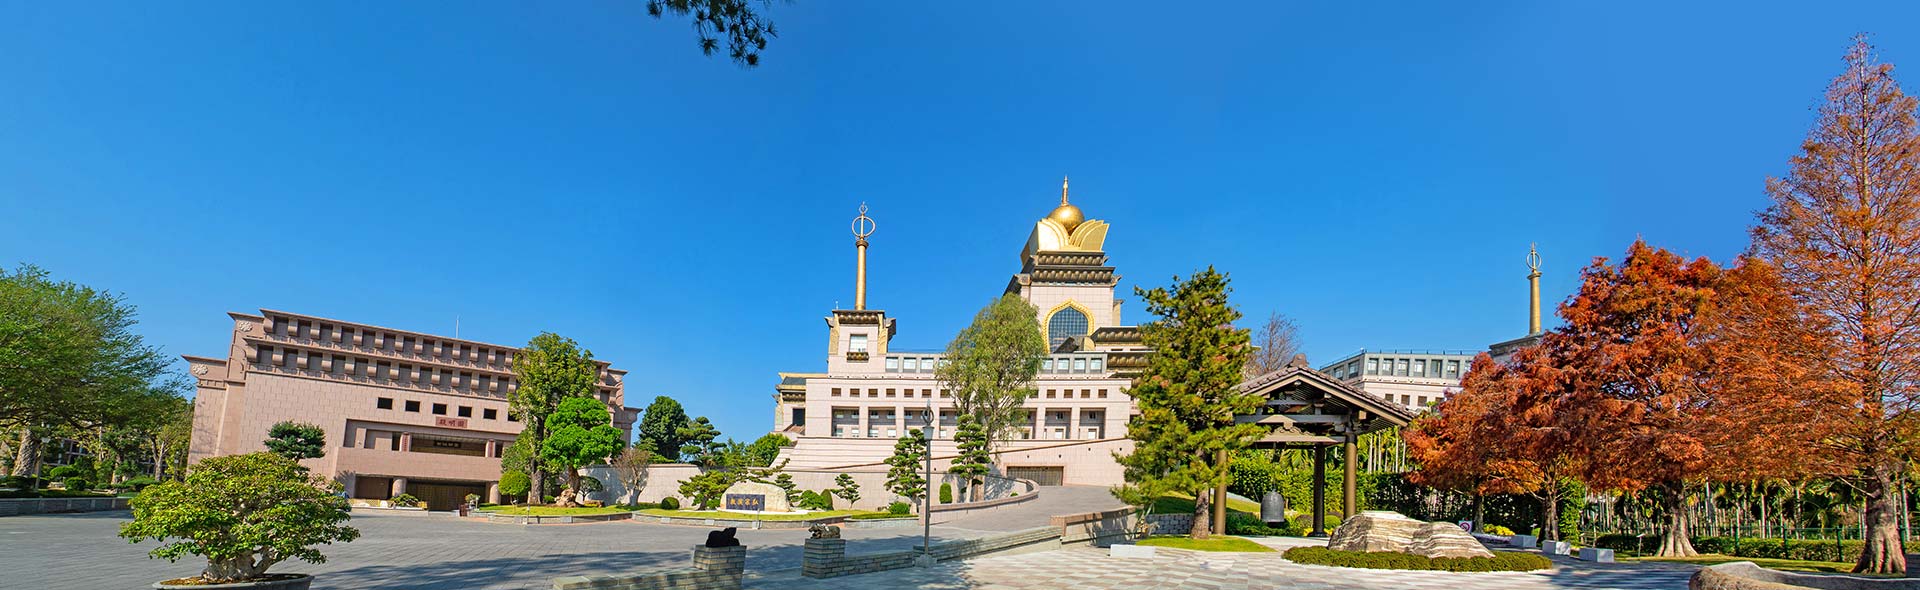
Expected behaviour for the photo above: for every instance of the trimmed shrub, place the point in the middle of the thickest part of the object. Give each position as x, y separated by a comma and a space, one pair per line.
1502, 561
138, 483
1247, 524
812, 500
899, 508
473, 499
63, 472
669, 503
406, 500
1494, 529
77, 484
946, 493
515, 483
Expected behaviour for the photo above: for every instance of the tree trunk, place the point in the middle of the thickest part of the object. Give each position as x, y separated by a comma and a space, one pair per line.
26, 455
1202, 514
1550, 513
1882, 552
1479, 512
235, 569
537, 492
1677, 539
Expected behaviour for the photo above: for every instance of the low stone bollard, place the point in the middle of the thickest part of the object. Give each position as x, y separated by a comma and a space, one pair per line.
1555, 547
1132, 551
1524, 541
1595, 555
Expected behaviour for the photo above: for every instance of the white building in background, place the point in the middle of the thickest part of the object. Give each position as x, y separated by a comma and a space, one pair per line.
1415, 379
850, 415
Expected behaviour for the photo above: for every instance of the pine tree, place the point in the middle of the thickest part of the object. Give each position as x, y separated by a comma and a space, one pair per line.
1188, 395
296, 440
904, 467
973, 459
846, 488
551, 368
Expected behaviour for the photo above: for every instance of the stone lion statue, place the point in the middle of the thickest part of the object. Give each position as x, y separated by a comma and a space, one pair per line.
821, 531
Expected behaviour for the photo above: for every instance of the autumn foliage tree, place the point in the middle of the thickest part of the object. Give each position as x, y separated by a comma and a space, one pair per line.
1501, 433
1843, 229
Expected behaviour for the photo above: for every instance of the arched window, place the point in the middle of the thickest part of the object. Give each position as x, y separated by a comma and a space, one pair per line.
1064, 325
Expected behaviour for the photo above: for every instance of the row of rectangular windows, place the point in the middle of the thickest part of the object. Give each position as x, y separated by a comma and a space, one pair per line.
439, 409
1062, 365
1449, 369
389, 342
927, 393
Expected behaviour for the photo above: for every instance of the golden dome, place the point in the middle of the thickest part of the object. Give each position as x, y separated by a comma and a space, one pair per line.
1068, 216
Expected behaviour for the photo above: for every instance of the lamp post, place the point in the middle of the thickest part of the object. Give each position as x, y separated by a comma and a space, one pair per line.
926, 492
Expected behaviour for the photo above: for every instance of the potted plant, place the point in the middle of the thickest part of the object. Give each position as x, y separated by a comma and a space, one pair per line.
243, 513
473, 503
405, 501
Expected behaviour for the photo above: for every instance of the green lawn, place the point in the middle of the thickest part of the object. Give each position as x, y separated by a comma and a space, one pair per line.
551, 511
1215, 543
1791, 565
1178, 503
718, 514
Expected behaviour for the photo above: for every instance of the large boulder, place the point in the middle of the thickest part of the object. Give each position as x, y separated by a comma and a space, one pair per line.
772, 497
1441, 539
1385, 531
1374, 530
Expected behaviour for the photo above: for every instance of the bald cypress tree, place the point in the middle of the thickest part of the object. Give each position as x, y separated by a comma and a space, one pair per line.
1188, 394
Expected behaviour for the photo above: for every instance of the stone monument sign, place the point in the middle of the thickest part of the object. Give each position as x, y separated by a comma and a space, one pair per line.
753, 496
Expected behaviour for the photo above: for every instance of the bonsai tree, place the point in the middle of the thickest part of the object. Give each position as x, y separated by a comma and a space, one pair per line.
848, 490
297, 440
243, 513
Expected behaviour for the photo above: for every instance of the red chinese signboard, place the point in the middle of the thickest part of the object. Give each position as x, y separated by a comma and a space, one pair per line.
450, 422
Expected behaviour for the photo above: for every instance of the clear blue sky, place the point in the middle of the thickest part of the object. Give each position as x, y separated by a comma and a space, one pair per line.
1375, 171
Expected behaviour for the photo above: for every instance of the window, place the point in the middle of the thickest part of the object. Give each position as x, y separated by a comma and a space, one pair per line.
385, 403
1373, 367
1079, 365
889, 392
1103, 394
1419, 368
490, 414
1423, 400
1047, 365
1086, 393
466, 411
1453, 368
1064, 325
912, 365
893, 364
439, 409
836, 392
512, 418
1400, 368
413, 406
1049, 394
1095, 364
857, 343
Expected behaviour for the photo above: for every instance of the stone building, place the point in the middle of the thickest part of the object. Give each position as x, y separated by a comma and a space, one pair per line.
403, 412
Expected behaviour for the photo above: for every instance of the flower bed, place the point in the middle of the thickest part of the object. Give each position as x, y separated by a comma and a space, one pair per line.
1502, 561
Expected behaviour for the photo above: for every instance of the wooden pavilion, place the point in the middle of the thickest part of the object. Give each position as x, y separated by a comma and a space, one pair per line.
1308, 409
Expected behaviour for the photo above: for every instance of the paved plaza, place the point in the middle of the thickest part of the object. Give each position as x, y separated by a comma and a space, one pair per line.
441, 552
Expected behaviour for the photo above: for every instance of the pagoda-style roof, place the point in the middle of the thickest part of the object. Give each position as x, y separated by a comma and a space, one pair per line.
1305, 406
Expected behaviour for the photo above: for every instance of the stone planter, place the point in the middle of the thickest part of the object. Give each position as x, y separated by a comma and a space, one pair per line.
293, 582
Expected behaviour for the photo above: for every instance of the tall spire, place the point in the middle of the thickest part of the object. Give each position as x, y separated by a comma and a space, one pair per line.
1533, 288
1063, 190
863, 226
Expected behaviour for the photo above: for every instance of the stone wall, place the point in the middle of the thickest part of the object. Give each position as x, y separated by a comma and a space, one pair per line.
714, 568
1171, 524
18, 506
664, 480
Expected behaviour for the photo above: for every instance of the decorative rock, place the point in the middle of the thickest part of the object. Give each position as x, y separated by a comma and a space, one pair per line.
1596, 555
1383, 531
1555, 547
1375, 530
1132, 551
1439, 539
771, 497
1524, 541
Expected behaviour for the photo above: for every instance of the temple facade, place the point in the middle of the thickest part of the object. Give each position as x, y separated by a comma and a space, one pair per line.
849, 415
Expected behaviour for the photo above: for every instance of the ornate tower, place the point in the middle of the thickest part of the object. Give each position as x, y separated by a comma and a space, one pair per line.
1064, 274
857, 336
1533, 290
863, 226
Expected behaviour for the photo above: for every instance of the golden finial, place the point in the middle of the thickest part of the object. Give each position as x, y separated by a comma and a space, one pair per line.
1063, 190
1533, 258
863, 226
1067, 215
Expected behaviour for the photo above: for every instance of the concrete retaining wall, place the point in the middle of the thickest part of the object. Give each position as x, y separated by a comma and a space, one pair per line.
1099, 529
1171, 524
827, 558
18, 506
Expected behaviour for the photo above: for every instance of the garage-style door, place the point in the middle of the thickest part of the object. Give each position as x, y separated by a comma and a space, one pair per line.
1046, 476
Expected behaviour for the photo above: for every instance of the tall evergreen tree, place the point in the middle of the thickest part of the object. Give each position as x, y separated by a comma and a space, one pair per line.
579, 433
550, 369
660, 427
990, 366
700, 446
1844, 231
1188, 395
974, 459
904, 468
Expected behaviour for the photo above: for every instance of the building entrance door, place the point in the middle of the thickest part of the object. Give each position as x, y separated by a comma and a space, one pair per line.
444, 495
1046, 476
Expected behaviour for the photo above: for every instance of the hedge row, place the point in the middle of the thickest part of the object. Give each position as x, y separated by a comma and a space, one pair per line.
1801, 549
1502, 561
